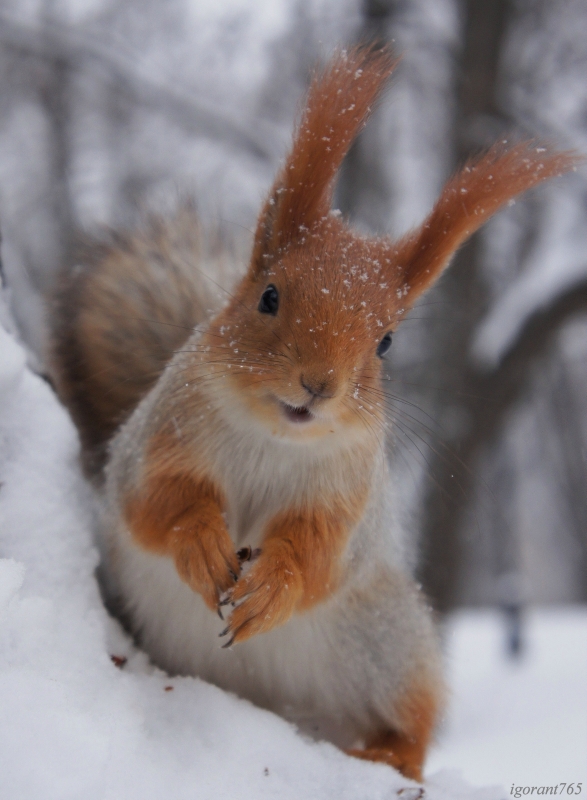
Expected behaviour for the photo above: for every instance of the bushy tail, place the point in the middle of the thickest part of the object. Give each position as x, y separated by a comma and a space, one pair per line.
119, 315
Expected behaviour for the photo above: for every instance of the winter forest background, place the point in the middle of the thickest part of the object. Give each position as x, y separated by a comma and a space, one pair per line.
112, 108
109, 109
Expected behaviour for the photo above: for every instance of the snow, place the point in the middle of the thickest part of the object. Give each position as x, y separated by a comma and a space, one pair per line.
517, 721
73, 725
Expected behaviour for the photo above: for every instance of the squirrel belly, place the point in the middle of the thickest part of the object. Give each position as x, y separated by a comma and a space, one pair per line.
261, 424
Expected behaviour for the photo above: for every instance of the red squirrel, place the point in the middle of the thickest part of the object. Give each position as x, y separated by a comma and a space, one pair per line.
258, 429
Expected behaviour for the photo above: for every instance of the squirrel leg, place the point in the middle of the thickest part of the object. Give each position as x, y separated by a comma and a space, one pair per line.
405, 749
297, 568
180, 517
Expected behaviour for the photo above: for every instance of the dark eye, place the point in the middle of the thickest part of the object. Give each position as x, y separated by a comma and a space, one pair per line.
384, 345
269, 302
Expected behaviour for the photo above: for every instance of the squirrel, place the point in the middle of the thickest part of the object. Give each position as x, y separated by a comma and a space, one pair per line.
242, 448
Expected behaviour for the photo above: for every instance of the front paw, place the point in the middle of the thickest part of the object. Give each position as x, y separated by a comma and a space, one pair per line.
265, 597
207, 563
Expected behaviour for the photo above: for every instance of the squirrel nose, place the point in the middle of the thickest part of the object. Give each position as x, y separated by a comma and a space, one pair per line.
318, 387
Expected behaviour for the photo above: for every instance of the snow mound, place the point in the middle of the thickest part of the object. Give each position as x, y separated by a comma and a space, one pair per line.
72, 723
520, 722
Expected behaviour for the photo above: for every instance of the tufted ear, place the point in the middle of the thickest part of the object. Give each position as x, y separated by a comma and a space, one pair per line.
467, 201
338, 104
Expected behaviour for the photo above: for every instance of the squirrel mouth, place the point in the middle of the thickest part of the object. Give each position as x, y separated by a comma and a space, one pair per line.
297, 414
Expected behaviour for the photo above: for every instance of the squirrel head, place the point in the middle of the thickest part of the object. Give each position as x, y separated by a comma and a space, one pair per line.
303, 337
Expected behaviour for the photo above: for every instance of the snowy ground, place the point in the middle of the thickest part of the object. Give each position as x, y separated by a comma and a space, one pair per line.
74, 726
521, 722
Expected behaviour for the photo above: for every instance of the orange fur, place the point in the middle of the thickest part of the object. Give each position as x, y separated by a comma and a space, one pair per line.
323, 335
405, 749
338, 105
468, 199
130, 303
299, 566
180, 517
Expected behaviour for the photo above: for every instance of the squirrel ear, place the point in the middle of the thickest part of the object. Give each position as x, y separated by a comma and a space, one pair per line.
338, 104
467, 201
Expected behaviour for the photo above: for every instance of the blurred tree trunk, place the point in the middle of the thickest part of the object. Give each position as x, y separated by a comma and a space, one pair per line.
477, 116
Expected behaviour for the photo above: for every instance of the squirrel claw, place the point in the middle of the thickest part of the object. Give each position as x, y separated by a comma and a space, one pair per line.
219, 611
225, 631
247, 553
227, 644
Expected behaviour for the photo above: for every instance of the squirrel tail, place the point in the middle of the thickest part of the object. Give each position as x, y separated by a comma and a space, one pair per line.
119, 314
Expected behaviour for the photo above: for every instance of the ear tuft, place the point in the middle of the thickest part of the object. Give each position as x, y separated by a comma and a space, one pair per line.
468, 199
338, 104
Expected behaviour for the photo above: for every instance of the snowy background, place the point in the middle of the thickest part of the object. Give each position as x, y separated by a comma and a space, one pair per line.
109, 109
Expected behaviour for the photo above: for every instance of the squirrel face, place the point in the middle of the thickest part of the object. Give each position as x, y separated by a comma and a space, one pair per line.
302, 341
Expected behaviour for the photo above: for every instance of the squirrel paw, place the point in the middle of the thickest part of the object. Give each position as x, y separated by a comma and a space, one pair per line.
266, 596
209, 565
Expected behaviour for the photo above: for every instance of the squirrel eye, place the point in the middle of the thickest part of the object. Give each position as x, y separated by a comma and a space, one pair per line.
269, 302
384, 345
